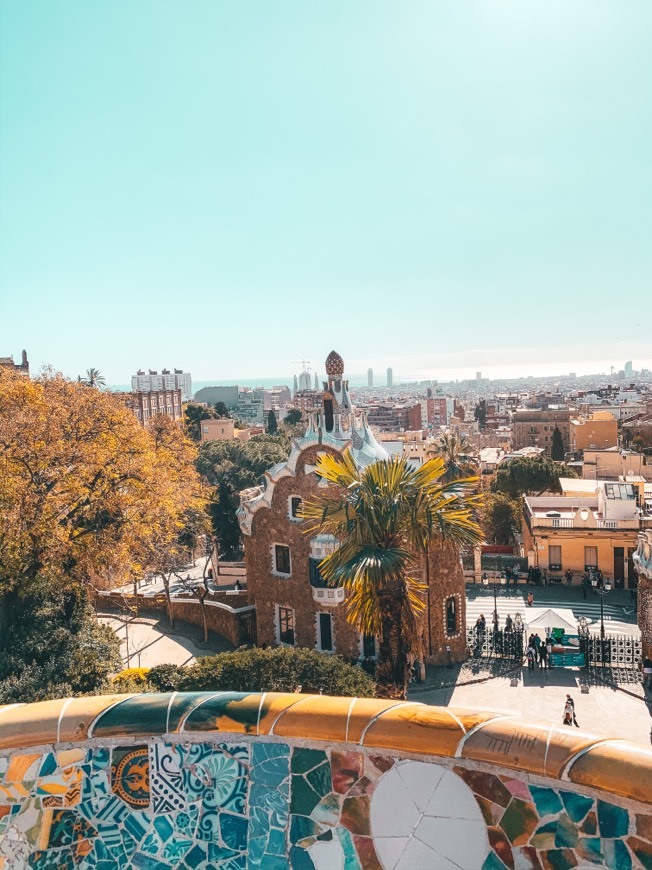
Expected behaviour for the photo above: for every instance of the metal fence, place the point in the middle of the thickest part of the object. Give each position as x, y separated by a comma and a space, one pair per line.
494, 644
615, 650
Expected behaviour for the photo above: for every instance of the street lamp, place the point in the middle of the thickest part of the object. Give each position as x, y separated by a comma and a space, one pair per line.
485, 581
601, 588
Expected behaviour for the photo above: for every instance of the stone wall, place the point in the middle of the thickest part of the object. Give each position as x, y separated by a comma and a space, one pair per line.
231, 780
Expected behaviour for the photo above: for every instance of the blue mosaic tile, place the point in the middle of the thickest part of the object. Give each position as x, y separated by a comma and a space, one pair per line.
616, 855
612, 820
234, 831
546, 801
576, 805
300, 859
493, 862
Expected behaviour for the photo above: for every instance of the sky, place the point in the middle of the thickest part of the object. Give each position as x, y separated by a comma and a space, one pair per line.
229, 187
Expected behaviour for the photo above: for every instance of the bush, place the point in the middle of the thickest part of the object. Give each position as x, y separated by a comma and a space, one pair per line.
281, 669
166, 678
131, 680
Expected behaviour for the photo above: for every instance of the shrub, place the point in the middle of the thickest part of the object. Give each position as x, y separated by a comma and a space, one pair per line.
166, 678
131, 680
281, 669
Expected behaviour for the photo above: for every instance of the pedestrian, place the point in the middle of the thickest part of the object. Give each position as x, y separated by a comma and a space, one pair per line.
485, 578
647, 673
496, 622
480, 625
508, 623
569, 576
545, 577
237, 585
516, 574
531, 658
549, 651
536, 640
569, 712
530, 599
586, 583
543, 655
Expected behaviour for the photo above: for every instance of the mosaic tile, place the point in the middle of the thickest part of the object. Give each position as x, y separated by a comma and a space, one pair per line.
492, 862
486, 785
558, 859
139, 715
166, 780
347, 768
576, 805
566, 836
612, 820
519, 821
590, 849
304, 760
225, 711
355, 815
644, 827
590, 824
544, 836
616, 855
517, 788
642, 850
130, 775
546, 800
501, 846
526, 858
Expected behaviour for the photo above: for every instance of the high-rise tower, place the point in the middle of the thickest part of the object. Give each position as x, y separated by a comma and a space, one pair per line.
390, 377
370, 377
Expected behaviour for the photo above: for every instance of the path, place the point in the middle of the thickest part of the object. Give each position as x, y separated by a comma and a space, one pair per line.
541, 697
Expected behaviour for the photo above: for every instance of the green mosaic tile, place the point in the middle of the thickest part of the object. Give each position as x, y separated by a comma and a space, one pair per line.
234, 831
546, 801
320, 779
576, 805
351, 860
566, 836
613, 820
141, 714
492, 862
300, 859
304, 760
303, 797
328, 810
355, 815
590, 848
204, 716
519, 821
544, 836
616, 855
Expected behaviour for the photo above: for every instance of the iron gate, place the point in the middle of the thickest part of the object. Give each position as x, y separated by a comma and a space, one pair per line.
499, 644
616, 650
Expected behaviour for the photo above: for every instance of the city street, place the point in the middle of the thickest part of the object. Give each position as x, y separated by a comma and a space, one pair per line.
619, 610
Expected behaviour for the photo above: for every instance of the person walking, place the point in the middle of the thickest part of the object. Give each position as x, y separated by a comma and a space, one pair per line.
569, 712
530, 599
536, 640
545, 577
569, 576
508, 624
549, 651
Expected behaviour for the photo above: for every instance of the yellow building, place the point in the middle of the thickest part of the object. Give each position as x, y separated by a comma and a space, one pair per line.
222, 429
585, 531
597, 431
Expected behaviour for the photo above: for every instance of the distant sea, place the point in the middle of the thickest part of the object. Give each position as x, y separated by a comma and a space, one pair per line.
266, 383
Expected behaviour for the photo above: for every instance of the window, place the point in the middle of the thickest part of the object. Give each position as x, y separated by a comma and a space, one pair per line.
554, 557
282, 559
590, 557
325, 632
285, 625
451, 616
368, 646
295, 503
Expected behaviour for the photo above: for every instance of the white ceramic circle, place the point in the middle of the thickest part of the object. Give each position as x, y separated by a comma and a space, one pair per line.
424, 815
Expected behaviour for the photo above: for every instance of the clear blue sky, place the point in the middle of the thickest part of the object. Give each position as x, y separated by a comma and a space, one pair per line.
227, 186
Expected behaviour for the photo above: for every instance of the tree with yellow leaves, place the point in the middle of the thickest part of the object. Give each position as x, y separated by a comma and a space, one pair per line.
86, 494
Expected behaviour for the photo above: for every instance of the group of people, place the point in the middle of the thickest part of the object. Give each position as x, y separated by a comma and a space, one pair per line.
538, 652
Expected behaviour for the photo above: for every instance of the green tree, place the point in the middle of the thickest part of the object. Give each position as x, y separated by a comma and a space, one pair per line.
480, 413
557, 451
55, 648
222, 410
272, 425
94, 378
292, 417
530, 475
500, 518
458, 456
385, 517
193, 414
229, 467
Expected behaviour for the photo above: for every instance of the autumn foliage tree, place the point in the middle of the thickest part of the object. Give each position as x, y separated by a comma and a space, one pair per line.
86, 494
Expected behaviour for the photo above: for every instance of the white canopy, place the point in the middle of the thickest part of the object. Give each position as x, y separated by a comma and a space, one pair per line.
540, 619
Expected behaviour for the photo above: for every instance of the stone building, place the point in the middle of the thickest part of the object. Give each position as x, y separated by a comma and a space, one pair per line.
21, 368
536, 427
643, 567
294, 606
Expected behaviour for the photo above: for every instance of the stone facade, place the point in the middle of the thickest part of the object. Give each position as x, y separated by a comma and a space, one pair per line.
293, 604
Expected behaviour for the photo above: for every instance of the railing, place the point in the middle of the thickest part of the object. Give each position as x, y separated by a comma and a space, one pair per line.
496, 644
615, 651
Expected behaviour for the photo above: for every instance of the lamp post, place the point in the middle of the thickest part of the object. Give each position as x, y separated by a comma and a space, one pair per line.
485, 581
601, 588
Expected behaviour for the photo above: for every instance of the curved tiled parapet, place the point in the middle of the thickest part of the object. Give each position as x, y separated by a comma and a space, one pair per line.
614, 766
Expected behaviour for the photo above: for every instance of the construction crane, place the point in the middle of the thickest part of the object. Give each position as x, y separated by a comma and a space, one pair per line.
304, 362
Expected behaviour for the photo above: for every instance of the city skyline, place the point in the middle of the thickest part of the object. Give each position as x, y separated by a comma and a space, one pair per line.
236, 180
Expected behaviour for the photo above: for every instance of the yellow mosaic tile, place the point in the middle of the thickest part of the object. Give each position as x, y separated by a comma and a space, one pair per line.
416, 728
315, 717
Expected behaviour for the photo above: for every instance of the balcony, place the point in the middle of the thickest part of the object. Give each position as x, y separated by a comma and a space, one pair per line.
328, 596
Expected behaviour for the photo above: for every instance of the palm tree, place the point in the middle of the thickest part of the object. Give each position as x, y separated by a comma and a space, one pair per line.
384, 518
458, 455
94, 378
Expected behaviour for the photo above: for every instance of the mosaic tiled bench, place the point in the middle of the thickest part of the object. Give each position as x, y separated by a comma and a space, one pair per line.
237, 780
